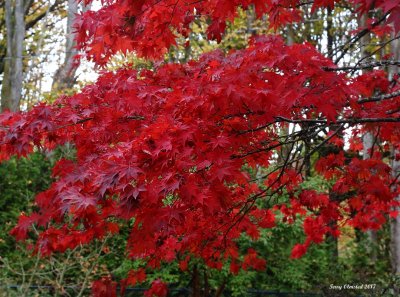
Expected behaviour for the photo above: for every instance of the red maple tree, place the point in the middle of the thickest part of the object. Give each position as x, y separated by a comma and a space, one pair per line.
172, 147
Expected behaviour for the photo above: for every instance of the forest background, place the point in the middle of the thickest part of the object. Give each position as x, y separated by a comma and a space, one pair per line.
36, 35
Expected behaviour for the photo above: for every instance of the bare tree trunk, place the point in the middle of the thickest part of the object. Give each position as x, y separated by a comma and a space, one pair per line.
368, 141
395, 223
13, 69
65, 77
196, 287
329, 27
285, 150
330, 239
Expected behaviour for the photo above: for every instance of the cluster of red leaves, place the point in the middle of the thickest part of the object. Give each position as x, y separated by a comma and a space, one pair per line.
171, 145
167, 147
181, 133
390, 7
150, 27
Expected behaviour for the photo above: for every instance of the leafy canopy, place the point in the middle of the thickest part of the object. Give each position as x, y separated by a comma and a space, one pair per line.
170, 149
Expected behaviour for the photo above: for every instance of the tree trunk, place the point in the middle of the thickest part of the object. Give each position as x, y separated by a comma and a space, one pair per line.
395, 223
65, 77
368, 144
13, 67
329, 27
285, 149
196, 287
368, 141
331, 240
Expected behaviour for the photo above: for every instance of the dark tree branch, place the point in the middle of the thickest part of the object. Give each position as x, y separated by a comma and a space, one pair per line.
347, 46
343, 121
380, 97
364, 66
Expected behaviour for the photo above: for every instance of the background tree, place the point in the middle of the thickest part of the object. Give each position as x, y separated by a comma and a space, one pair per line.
13, 72
30, 31
65, 77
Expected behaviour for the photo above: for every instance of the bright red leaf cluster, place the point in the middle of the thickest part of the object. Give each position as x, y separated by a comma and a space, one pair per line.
171, 149
150, 27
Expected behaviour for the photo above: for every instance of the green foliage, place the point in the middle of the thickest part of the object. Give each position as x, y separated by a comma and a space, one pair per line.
20, 180
236, 36
23, 178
